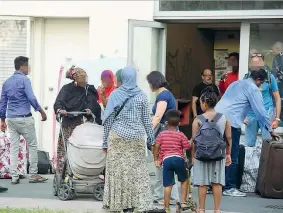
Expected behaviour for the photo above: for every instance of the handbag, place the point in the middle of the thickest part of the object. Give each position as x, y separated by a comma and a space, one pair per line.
157, 130
123, 105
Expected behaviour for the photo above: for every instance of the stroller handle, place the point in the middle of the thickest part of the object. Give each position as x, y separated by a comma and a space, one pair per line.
76, 113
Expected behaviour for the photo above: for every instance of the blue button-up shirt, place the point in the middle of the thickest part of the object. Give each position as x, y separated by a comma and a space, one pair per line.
239, 99
17, 97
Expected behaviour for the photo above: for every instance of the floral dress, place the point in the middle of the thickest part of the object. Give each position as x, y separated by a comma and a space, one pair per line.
5, 157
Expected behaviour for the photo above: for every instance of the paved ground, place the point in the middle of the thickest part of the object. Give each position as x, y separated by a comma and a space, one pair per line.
27, 195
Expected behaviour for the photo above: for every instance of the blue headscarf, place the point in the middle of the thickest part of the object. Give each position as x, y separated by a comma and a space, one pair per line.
127, 90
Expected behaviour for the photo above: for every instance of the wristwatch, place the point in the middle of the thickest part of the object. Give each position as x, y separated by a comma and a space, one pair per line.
278, 119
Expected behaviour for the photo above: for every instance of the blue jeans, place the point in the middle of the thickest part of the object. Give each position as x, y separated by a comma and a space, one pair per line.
171, 166
253, 127
231, 171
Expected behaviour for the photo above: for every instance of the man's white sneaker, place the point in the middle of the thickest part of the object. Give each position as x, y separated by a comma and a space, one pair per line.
234, 193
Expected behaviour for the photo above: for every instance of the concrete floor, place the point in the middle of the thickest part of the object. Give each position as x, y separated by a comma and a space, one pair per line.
27, 195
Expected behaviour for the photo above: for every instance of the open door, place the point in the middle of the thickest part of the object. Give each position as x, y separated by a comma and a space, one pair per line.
147, 50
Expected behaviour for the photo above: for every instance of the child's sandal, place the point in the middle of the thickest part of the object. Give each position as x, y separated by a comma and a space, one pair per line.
217, 211
167, 210
201, 211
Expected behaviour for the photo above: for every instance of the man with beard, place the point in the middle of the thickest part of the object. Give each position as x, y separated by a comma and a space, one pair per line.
207, 78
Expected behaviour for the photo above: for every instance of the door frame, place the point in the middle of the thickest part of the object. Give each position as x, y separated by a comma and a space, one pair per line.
132, 23
215, 14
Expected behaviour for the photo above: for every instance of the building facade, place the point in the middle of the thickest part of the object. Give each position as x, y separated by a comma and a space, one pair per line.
174, 37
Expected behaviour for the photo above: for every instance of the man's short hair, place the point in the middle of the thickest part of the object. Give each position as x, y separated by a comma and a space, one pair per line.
259, 75
202, 73
173, 117
234, 54
20, 61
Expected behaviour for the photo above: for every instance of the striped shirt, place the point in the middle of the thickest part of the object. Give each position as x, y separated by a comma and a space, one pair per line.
172, 143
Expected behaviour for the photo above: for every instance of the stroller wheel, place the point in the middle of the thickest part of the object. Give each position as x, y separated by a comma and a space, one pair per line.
98, 191
65, 192
55, 186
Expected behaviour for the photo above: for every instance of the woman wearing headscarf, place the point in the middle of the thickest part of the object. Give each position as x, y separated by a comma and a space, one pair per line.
108, 85
75, 96
118, 80
126, 122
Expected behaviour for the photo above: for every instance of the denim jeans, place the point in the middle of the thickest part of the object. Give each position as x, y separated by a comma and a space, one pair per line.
253, 127
231, 171
158, 193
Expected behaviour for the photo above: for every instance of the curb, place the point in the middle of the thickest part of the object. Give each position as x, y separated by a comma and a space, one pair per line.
53, 204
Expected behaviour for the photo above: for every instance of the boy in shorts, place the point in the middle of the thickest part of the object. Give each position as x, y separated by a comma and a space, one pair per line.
168, 151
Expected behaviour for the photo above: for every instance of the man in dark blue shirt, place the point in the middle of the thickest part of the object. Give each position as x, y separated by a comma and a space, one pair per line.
15, 110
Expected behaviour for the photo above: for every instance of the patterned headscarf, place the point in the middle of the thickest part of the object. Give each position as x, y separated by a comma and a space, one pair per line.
79, 75
76, 74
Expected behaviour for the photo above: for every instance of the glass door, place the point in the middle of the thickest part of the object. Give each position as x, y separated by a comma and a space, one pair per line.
147, 50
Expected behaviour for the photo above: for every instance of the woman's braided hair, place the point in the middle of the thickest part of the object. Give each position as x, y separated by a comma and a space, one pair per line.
209, 96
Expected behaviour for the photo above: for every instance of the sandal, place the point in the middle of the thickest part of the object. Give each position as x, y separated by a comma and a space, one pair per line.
217, 211
167, 210
201, 211
37, 179
15, 181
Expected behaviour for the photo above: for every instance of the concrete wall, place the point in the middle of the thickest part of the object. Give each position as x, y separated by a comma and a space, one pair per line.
189, 52
106, 34
223, 42
108, 26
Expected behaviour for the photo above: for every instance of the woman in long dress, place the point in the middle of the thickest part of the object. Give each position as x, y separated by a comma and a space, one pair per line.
126, 122
75, 96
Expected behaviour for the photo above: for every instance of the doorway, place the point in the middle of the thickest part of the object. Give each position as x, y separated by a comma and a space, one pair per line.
181, 52
191, 48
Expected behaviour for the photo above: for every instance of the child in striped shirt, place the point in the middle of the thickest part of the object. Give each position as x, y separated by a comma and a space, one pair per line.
168, 151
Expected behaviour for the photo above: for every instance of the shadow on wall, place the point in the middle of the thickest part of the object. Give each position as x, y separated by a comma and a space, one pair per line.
189, 51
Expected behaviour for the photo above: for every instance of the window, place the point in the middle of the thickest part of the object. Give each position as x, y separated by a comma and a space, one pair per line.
13, 43
268, 40
219, 5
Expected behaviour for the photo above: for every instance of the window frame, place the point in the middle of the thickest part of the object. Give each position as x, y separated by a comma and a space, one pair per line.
216, 14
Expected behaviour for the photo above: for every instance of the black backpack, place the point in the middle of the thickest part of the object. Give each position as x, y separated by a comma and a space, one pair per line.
209, 141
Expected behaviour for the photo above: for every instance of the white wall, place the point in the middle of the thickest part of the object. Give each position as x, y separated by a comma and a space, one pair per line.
107, 35
108, 19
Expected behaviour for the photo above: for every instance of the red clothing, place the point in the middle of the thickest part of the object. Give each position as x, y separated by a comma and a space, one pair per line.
108, 90
231, 77
172, 143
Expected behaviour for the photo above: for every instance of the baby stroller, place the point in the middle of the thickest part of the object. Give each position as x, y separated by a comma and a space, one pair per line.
84, 161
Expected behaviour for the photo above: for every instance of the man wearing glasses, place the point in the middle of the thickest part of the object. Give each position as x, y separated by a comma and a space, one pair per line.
15, 110
233, 75
207, 80
271, 99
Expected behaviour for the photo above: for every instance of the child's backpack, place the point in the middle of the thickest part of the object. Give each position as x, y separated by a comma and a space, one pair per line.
209, 141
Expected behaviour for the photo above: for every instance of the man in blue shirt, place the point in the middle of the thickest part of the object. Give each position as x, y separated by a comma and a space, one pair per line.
239, 99
269, 91
15, 110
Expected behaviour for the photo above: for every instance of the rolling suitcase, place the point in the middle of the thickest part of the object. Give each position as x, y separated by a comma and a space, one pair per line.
241, 165
270, 173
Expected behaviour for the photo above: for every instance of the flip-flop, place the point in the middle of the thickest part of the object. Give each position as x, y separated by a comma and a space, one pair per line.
15, 181
37, 179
